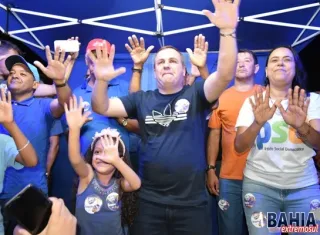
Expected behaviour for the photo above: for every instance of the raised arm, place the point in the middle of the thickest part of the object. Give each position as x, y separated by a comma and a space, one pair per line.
75, 120
45, 90
105, 72
226, 19
56, 71
139, 55
27, 155
53, 151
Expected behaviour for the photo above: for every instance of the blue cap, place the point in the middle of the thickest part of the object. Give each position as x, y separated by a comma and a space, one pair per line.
17, 59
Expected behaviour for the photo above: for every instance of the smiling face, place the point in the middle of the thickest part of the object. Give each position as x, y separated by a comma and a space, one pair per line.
169, 69
281, 67
21, 80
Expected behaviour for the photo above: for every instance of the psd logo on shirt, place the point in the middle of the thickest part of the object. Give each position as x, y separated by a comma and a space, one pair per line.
278, 132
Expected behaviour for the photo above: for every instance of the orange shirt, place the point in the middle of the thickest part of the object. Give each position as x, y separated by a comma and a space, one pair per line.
225, 117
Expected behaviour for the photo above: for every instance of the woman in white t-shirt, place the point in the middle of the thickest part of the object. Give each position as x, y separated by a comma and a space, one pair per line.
281, 128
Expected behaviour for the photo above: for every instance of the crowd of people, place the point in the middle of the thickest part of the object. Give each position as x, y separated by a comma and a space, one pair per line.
268, 134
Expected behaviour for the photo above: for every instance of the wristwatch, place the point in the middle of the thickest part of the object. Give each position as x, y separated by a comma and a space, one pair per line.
210, 167
124, 122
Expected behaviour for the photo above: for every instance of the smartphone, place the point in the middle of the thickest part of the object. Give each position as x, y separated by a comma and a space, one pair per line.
67, 45
31, 208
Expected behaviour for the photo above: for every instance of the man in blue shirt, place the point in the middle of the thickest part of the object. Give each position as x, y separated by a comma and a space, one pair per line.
34, 116
98, 122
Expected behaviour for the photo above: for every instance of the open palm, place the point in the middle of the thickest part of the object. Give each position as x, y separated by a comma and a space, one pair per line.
110, 146
199, 55
103, 63
226, 14
296, 113
137, 50
261, 108
56, 67
74, 116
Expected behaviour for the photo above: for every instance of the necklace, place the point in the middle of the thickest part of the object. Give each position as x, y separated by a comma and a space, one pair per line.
105, 190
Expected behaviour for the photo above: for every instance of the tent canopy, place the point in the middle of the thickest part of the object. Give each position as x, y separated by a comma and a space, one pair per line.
263, 24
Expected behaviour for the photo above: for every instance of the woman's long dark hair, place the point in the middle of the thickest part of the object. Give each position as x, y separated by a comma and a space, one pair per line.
128, 200
300, 77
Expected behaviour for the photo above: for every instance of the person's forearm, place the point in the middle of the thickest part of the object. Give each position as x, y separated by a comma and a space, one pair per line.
63, 94
52, 154
128, 174
204, 72
227, 58
132, 124
309, 136
135, 83
27, 153
245, 140
45, 90
74, 146
218, 81
99, 98
213, 147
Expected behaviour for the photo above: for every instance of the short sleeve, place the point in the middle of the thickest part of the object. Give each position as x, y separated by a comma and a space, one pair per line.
45, 105
11, 152
199, 85
246, 116
56, 128
314, 106
130, 103
214, 121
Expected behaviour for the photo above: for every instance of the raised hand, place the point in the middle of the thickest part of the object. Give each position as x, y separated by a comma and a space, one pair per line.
103, 63
110, 144
137, 50
296, 113
56, 66
75, 117
199, 55
6, 113
261, 108
226, 14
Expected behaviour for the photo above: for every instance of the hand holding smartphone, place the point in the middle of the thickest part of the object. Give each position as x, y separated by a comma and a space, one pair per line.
60, 222
31, 208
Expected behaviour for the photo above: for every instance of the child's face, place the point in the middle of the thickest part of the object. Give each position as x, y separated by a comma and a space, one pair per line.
98, 164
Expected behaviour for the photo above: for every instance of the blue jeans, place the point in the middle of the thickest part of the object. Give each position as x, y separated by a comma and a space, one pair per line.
230, 212
259, 199
157, 219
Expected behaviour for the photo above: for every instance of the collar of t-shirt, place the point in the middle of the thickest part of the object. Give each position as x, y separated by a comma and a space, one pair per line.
26, 102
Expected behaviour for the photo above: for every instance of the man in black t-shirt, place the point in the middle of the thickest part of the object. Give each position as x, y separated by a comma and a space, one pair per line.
172, 119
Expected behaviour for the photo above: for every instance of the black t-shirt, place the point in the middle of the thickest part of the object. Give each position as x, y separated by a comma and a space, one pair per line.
172, 158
